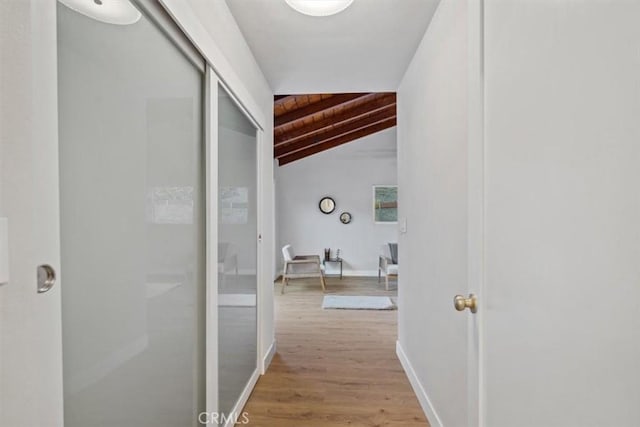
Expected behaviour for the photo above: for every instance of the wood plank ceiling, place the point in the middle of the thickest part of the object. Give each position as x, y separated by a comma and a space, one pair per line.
308, 124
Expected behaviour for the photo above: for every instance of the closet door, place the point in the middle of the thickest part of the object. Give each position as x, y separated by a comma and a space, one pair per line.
132, 223
237, 255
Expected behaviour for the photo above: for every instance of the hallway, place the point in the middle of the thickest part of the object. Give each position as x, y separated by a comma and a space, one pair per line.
156, 156
333, 367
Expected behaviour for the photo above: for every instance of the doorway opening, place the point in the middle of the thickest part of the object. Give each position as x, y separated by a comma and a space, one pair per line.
336, 201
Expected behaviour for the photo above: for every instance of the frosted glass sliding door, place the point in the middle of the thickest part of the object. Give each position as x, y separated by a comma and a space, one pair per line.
237, 252
132, 225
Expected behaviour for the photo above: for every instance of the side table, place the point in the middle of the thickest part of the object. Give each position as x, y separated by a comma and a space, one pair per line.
335, 261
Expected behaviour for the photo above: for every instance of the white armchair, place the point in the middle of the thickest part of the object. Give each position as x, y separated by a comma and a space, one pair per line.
301, 266
386, 264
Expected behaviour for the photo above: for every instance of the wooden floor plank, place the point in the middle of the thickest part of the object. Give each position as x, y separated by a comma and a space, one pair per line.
333, 367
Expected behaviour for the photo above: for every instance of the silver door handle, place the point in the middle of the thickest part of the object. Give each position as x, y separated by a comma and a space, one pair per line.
46, 278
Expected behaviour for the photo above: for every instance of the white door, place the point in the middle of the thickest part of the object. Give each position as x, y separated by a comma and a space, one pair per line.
238, 219
111, 293
30, 331
562, 301
440, 165
132, 218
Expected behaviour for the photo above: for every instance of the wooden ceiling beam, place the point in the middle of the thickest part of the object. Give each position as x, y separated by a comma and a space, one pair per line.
282, 99
387, 102
344, 139
335, 132
317, 107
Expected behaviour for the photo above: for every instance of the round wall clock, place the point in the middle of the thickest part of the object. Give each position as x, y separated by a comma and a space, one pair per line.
327, 205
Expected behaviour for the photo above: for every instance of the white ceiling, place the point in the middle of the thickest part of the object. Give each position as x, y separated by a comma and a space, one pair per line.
366, 48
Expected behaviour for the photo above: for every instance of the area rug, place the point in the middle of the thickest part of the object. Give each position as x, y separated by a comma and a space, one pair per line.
357, 302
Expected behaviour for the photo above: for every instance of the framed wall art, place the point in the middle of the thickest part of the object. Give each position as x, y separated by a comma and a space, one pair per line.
385, 204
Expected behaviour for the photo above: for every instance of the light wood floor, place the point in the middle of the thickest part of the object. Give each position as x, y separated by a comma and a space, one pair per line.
333, 367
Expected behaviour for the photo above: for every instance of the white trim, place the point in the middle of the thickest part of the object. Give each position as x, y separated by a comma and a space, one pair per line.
259, 253
476, 202
242, 108
244, 396
156, 13
274, 226
356, 273
211, 211
345, 273
186, 19
421, 394
268, 357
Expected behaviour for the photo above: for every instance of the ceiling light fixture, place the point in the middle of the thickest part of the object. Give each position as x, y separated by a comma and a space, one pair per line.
118, 12
319, 7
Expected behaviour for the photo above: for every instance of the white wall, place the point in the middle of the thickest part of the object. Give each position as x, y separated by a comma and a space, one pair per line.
563, 209
432, 165
347, 174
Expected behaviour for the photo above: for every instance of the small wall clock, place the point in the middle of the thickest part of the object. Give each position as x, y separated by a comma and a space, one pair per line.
345, 217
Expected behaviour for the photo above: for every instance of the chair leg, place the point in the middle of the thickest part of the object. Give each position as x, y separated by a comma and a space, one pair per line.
324, 288
285, 270
379, 275
386, 279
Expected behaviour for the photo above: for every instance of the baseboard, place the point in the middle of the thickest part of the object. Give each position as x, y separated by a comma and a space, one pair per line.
360, 273
345, 273
268, 357
421, 394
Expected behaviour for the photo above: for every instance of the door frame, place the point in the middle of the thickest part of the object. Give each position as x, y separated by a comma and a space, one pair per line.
30, 322
476, 201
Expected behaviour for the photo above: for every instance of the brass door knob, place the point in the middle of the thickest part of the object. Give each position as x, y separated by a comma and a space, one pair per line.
460, 303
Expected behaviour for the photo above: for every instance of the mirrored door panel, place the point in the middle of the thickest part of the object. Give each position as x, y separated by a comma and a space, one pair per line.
237, 251
132, 222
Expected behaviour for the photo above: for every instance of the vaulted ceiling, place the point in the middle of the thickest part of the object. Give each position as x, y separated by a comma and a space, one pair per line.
308, 124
